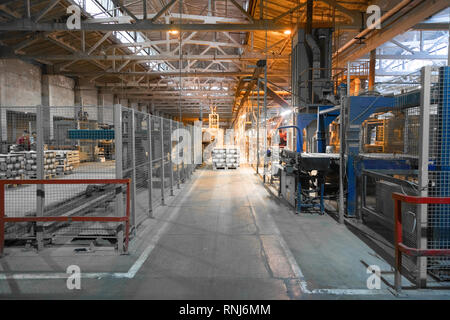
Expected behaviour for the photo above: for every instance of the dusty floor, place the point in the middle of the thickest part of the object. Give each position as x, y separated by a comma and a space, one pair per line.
221, 237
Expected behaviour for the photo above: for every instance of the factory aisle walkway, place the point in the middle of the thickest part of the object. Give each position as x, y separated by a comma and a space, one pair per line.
227, 238
219, 246
222, 237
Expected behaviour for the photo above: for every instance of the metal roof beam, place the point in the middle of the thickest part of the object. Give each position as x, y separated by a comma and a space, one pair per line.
28, 25
143, 58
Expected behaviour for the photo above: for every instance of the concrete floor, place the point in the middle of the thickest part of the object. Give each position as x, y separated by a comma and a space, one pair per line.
221, 237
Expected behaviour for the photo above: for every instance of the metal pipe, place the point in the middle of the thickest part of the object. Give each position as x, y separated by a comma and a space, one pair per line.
388, 14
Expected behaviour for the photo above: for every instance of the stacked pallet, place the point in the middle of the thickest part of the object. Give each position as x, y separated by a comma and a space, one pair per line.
232, 157
219, 158
65, 161
49, 164
31, 164
23, 164
12, 166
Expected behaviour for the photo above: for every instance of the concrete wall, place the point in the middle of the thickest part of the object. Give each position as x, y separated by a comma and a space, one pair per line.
105, 105
58, 90
20, 83
86, 95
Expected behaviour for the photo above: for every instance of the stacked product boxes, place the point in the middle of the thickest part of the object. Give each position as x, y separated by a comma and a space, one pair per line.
225, 158
232, 157
23, 165
219, 158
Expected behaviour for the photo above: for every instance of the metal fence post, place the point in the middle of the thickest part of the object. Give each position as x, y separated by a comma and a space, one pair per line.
257, 130
119, 205
423, 174
150, 165
170, 160
192, 151
132, 152
40, 175
162, 159
2, 217
398, 239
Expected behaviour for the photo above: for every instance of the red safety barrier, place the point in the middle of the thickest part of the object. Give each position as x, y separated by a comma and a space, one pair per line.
400, 247
4, 219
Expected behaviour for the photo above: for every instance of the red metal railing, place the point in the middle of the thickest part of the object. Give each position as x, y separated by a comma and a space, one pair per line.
400, 247
4, 219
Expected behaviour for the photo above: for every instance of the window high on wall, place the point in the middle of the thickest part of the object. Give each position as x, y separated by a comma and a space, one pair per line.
107, 9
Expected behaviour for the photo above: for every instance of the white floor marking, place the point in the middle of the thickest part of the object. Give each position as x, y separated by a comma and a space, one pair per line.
298, 272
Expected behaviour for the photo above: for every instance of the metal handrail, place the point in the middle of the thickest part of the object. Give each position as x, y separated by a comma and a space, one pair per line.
400, 247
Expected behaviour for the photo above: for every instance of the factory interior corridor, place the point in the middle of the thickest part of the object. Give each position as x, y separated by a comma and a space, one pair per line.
223, 237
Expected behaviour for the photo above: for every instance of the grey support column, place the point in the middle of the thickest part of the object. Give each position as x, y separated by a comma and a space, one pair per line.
40, 188
119, 205
150, 166
178, 155
132, 153
170, 160
424, 149
161, 122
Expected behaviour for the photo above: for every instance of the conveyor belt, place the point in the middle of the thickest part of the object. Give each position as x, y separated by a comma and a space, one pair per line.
320, 155
388, 156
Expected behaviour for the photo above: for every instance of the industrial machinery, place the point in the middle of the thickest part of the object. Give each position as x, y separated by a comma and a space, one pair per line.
213, 119
303, 176
400, 144
303, 179
309, 174
383, 133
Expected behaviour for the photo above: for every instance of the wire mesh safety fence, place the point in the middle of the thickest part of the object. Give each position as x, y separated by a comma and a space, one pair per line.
167, 152
156, 160
42, 142
84, 142
69, 209
150, 137
438, 215
417, 143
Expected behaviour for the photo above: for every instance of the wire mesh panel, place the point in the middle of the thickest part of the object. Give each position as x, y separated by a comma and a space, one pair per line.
182, 154
438, 215
79, 141
189, 151
142, 168
167, 149
156, 159
421, 168
174, 143
18, 159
